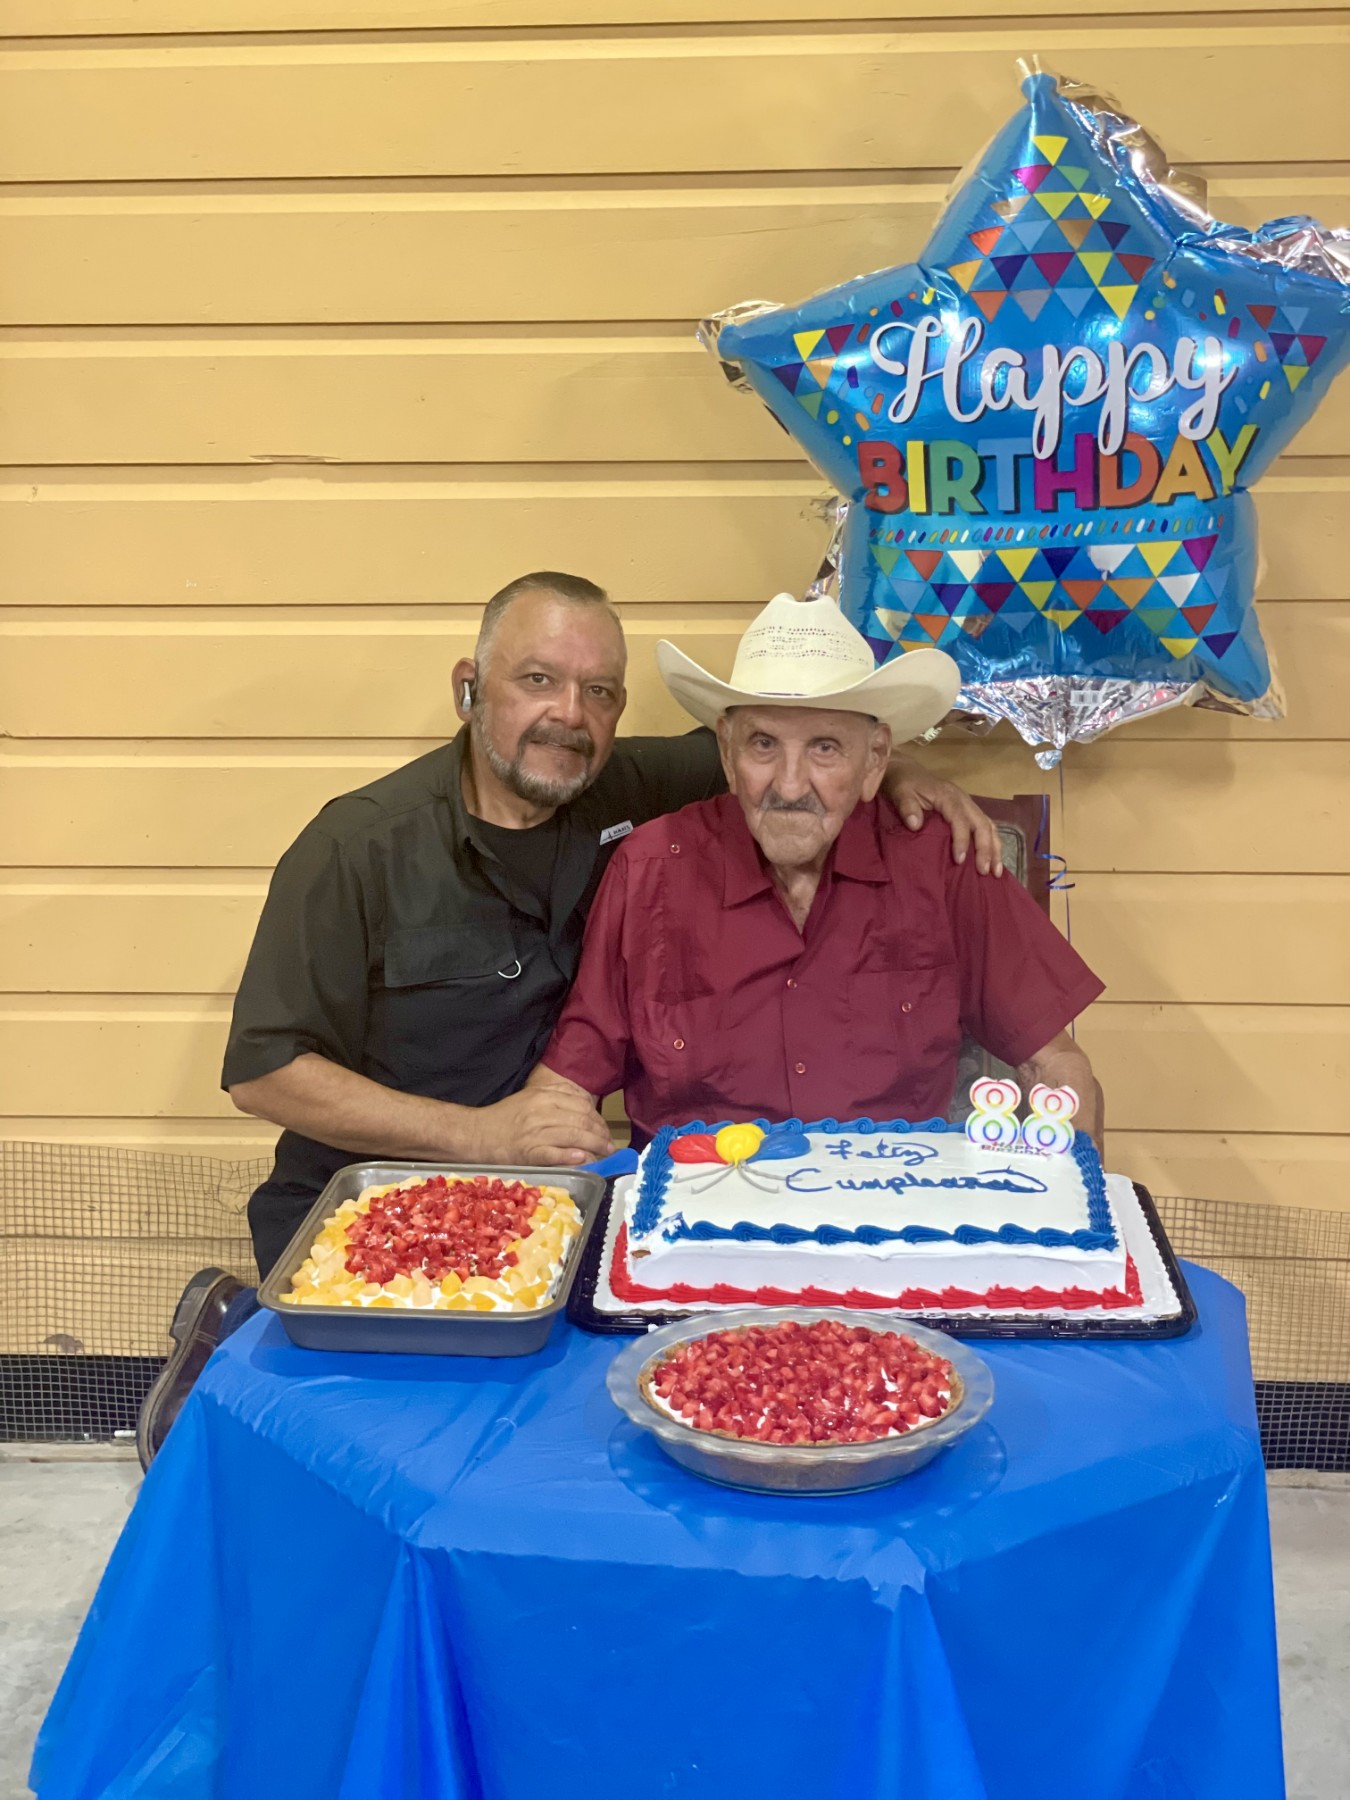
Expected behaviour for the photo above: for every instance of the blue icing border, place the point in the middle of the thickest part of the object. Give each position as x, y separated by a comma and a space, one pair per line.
1099, 1234
656, 1178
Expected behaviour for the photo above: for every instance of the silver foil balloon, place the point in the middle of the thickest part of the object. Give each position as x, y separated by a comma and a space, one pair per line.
1041, 434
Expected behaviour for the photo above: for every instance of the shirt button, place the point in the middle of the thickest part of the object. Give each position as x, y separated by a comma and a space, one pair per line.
907, 1006
800, 1068
674, 849
791, 982
679, 1044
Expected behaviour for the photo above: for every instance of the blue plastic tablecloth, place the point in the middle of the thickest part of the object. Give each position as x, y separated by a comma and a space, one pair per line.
393, 1578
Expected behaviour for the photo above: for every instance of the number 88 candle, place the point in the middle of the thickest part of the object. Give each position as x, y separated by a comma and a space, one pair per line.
992, 1124
1049, 1127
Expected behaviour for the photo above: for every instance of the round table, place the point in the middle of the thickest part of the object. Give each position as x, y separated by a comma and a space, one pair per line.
360, 1576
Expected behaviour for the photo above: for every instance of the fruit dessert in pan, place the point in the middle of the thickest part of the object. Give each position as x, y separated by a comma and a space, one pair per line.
454, 1243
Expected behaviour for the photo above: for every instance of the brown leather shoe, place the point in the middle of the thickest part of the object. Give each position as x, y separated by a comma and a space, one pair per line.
196, 1330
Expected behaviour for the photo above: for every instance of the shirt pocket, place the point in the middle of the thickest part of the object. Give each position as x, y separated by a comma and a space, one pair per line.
440, 1009
433, 955
907, 1017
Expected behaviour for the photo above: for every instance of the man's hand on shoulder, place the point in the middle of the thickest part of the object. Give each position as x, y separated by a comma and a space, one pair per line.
914, 792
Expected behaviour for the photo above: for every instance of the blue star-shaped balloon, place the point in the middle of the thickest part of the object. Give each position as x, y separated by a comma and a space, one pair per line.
1046, 428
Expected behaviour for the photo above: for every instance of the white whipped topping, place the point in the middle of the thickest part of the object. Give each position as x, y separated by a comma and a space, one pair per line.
661, 1404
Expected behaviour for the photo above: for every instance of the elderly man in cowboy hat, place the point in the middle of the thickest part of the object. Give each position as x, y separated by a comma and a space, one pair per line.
788, 949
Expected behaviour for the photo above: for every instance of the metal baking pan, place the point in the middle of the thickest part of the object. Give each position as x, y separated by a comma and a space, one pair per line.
425, 1333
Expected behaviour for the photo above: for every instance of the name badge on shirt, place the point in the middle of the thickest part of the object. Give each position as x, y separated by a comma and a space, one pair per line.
612, 832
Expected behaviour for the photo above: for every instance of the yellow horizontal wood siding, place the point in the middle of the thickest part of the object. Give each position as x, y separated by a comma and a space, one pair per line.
164, 18
445, 251
593, 393
646, 103
316, 327
417, 536
420, 536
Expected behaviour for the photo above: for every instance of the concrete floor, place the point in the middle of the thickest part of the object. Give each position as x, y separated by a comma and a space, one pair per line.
58, 1524
58, 1521
1310, 1536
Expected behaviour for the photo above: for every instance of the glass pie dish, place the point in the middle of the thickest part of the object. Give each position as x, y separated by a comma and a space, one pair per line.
797, 1468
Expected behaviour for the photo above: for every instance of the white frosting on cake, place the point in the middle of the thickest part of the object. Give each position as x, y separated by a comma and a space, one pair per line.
849, 1181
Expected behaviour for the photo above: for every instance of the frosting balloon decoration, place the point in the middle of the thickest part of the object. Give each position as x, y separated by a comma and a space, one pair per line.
781, 1142
738, 1143
698, 1147
1045, 429
735, 1146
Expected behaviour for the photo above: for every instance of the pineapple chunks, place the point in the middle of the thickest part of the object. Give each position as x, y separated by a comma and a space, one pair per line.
323, 1279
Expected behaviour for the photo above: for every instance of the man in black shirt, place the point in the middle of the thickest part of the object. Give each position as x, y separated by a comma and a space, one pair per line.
421, 934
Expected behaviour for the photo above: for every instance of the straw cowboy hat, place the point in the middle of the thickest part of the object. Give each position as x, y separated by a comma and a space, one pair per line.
805, 653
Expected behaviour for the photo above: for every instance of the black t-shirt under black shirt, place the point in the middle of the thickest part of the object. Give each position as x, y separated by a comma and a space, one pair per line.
530, 854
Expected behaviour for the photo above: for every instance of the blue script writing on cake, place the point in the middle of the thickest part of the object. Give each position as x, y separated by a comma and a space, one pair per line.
1001, 1180
882, 1149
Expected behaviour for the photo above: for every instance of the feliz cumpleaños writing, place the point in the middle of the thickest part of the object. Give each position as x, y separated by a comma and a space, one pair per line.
910, 1157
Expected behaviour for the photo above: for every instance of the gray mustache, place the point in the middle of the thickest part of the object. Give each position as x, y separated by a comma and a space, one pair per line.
807, 804
560, 737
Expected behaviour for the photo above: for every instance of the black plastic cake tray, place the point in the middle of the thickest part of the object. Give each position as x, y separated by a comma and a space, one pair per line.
583, 1311
426, 1332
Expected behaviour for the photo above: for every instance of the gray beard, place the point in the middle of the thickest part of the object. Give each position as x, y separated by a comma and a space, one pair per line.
537, 789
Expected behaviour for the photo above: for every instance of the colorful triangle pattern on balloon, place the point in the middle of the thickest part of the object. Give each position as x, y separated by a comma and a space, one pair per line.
1051, 239
1165, 588
1295, 349
808, 381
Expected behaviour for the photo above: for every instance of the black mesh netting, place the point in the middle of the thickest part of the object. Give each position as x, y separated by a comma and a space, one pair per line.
1293, 1264
97, 1244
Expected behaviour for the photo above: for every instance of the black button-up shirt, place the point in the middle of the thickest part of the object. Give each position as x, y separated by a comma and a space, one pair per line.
394, 942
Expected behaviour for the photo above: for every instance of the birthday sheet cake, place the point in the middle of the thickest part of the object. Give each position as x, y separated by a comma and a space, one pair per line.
919, 1217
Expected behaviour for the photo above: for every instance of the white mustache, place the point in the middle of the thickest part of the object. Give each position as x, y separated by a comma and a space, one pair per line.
807, 804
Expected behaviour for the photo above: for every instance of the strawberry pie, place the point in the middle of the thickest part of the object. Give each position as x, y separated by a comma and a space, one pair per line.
790, 1383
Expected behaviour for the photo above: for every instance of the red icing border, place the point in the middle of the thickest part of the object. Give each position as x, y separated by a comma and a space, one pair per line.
911, 1300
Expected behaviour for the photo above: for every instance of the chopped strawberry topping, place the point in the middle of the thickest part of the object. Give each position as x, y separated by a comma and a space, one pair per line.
441, 1226
789, 1383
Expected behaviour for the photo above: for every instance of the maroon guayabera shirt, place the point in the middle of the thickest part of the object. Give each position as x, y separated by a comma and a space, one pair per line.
698, 996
